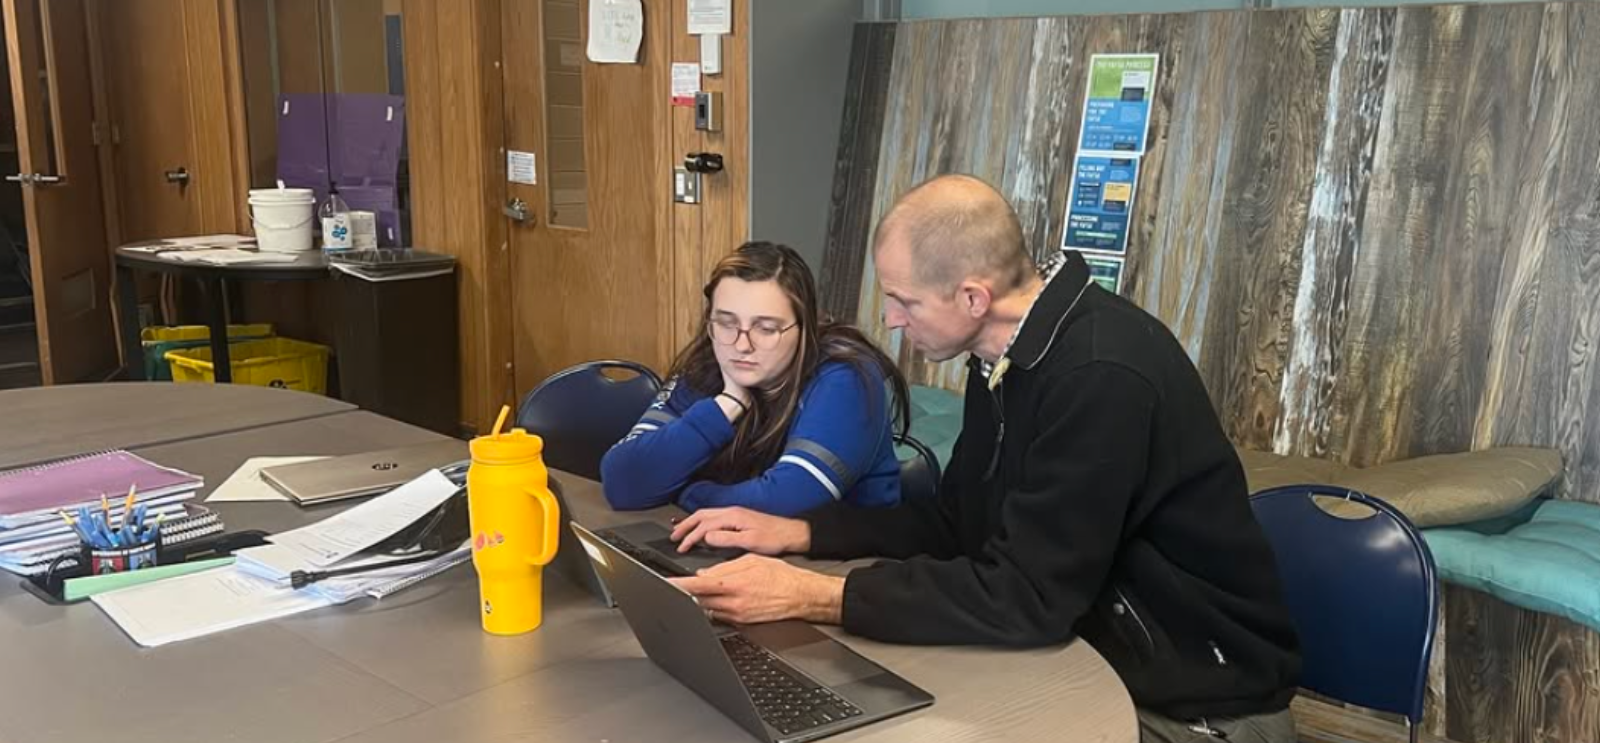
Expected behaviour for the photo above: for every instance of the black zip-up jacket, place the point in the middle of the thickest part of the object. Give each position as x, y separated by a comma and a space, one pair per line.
1092, 493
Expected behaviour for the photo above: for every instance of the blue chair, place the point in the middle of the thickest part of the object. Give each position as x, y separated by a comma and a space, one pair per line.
580, 412
1362, 595
919, 474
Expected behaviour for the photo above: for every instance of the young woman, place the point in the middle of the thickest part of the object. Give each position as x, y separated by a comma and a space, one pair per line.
770, 408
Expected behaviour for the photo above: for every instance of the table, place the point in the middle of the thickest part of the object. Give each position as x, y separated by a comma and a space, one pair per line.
44, 423
309, 266
417, 667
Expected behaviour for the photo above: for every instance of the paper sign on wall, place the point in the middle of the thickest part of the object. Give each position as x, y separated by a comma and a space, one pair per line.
1105, 271
522, 167
685, 83
1101, 203
710, 16
616, 27
1116, 108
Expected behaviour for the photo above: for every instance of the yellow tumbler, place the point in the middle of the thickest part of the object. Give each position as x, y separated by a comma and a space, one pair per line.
515, 527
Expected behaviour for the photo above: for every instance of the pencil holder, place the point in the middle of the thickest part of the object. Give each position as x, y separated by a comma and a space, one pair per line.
104, 562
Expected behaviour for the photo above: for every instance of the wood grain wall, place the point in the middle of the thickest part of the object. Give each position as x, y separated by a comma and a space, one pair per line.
454, 114
703, 233
1376, 231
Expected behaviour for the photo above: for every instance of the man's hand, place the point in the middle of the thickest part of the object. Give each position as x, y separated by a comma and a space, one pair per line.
755, 589
742, 528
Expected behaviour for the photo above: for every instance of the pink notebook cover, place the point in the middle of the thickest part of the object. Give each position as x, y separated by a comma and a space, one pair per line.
80, 481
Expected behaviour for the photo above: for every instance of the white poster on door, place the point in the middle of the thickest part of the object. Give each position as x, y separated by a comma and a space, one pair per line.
522, 167
616, 28
710, 17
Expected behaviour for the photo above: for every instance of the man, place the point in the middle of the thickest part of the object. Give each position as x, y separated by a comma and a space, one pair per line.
1092, 492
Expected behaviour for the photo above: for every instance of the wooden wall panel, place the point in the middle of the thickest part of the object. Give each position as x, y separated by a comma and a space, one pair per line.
358, 30
703, 233
213, 108
1518, 675
453, 113
1376, 231
689, 246
304, 31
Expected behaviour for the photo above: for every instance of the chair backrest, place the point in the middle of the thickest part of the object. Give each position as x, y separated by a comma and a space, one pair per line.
582, 411
1362, 595
919, 475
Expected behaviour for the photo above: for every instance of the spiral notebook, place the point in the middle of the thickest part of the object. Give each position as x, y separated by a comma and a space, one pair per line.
35, 494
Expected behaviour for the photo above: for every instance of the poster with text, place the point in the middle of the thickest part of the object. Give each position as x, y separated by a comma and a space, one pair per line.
1105, 271
1101, 203
1116, 108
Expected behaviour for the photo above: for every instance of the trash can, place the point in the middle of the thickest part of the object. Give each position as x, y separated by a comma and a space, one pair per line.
158, 340
273, 362
397, 335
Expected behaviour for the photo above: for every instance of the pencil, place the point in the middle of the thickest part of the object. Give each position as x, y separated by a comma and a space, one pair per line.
127, 508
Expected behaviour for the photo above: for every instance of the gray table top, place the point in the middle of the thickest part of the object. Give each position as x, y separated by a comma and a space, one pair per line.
417, 666
310, 265
44, 423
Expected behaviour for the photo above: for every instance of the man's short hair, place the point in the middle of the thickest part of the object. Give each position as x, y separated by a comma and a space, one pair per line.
959, 228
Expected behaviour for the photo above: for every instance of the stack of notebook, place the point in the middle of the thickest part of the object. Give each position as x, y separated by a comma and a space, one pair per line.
33, 533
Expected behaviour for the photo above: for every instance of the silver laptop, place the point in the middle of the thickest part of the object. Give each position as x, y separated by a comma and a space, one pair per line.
358, 475
784, 682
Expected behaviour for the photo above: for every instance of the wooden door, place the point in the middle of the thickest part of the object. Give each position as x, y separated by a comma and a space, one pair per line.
151, 92
48, 48
174, 118
591, 263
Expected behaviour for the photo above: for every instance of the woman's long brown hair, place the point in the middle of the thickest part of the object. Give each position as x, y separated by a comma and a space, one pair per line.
761, 433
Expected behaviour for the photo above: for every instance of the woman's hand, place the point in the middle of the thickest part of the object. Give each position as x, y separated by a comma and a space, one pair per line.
734, 400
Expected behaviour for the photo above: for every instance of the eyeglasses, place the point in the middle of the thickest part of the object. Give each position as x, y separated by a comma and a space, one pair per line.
764, 336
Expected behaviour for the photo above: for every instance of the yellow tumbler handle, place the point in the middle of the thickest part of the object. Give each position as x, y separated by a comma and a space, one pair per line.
552, 527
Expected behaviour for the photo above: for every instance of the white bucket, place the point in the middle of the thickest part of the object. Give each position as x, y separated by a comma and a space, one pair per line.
282, 217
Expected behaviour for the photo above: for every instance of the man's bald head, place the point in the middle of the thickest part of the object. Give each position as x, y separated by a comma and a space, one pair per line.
958, 228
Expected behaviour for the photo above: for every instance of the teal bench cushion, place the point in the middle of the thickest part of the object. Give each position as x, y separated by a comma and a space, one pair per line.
1545, 558
935, 421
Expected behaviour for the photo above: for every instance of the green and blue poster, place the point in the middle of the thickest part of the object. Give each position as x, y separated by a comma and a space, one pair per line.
1116, 110
1113, 136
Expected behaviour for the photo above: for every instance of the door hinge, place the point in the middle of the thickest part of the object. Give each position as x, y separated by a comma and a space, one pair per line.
96, 134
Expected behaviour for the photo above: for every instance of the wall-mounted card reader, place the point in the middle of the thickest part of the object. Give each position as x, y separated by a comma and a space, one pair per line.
708, 111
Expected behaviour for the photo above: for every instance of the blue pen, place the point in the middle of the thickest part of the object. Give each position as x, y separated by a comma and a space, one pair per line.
85, 527
108, 540
138, 521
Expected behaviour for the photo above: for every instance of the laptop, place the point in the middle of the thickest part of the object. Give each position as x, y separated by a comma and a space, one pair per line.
357, 475
647, 541
784, 682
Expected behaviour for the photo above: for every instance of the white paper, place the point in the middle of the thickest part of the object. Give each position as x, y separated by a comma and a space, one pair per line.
685, 83
522, 167
205, 603
352, 270
245, 484
338, 537
615, 29
229, 257
191, 243
710, 16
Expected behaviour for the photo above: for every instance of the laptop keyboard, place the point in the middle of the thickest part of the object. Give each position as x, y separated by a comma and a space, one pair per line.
787, 701
647, 557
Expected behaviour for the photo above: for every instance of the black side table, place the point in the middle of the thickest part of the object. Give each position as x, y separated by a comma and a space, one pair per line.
309, 266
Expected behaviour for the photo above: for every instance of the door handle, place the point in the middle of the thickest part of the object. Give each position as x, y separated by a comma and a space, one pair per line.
179, 176
517, 210
33, 179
